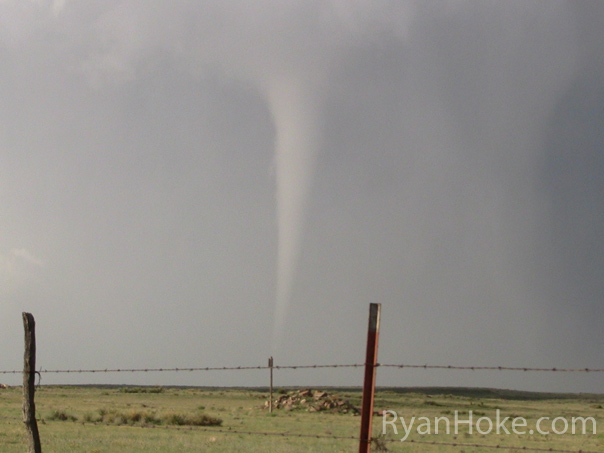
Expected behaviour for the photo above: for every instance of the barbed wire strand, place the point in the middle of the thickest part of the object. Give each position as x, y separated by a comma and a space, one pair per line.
225, 368
493, 447
299, 367
494, 368
254, 433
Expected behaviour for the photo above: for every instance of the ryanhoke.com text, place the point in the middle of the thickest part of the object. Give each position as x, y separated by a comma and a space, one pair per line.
468, 422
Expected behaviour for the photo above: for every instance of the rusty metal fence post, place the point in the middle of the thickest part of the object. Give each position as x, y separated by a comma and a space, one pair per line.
369, 383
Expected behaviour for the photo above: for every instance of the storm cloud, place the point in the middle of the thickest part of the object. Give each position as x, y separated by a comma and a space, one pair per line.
210, 183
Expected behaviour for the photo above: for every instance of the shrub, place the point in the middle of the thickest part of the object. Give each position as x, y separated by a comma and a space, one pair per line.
141, 390
190, 419
133, 417
89, 418
61, 416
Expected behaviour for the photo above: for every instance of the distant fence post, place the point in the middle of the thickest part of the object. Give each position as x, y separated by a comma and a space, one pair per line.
29, 384
270, 404
369, 384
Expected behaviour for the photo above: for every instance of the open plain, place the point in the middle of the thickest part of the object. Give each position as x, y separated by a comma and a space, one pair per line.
181, 419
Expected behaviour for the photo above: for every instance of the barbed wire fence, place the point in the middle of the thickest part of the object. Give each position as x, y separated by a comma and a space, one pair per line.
315, 366
376, 366
333, 366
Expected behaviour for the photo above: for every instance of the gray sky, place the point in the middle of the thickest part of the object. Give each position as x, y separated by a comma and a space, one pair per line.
202, 183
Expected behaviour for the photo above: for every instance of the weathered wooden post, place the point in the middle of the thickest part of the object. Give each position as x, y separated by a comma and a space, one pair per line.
29, 384
369, 384
270, 403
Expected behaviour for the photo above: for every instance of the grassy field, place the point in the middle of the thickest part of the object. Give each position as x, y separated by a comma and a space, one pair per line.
137, 419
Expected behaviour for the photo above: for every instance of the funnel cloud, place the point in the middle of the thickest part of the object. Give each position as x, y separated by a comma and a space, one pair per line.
296, 141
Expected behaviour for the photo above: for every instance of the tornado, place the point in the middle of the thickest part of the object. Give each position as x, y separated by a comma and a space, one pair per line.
293, 107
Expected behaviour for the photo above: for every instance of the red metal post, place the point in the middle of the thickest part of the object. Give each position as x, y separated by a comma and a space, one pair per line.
369, 385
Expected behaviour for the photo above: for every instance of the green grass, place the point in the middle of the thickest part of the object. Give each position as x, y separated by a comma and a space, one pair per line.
140, 419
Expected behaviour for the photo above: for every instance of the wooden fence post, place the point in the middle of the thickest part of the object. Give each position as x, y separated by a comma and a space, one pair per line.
29, 384
369, 384
270, 404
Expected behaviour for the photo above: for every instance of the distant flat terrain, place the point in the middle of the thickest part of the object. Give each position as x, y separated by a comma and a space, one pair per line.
180, 419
